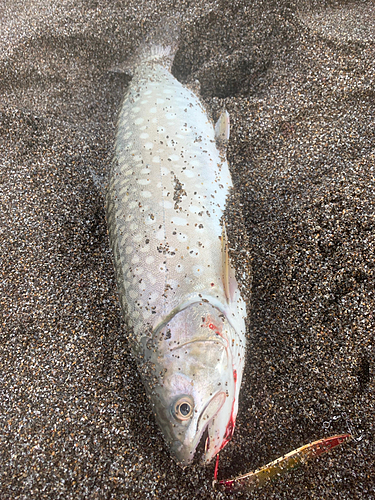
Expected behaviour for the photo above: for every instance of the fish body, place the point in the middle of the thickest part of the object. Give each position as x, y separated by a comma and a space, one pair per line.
165, 201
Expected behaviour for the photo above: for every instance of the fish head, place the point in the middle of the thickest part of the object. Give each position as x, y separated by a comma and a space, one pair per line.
191, 381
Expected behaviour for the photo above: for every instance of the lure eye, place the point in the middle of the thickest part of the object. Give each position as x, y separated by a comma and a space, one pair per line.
183, 408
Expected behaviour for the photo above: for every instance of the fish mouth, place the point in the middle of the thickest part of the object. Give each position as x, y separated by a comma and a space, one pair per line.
196, 449
201, 448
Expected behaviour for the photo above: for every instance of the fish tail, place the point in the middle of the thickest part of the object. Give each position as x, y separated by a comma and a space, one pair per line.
159, 46
161, 54
161, 43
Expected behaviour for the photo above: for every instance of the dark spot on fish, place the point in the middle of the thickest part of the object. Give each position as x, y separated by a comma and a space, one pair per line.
179, 192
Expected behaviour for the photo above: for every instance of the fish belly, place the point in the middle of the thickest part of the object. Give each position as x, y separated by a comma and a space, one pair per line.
166, 196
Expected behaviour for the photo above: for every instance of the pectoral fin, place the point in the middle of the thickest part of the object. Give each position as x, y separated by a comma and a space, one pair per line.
228, 274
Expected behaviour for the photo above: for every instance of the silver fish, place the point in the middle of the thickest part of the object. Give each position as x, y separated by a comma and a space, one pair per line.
185, 315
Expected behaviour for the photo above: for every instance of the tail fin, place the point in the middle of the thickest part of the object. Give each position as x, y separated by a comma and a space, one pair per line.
161, 54
159, 46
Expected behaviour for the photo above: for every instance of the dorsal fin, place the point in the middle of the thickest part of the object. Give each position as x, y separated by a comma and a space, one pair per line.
222, 128
229, 278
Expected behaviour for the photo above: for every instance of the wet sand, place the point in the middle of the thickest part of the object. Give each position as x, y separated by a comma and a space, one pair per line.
299, 86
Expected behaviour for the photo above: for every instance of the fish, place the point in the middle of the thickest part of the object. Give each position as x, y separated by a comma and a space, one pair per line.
165, 203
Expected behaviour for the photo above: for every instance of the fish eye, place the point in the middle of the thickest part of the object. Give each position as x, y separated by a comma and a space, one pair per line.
183, 408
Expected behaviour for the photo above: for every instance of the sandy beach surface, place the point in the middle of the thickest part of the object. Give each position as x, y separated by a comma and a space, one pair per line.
298, 83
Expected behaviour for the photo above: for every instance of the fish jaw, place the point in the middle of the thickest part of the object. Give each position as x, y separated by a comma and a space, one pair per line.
184, 451
220, 430
214, 419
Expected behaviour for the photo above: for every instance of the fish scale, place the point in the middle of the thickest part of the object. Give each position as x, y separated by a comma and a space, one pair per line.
165, 201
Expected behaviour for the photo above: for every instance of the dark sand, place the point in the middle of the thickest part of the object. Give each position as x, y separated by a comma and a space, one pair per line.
299, 85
